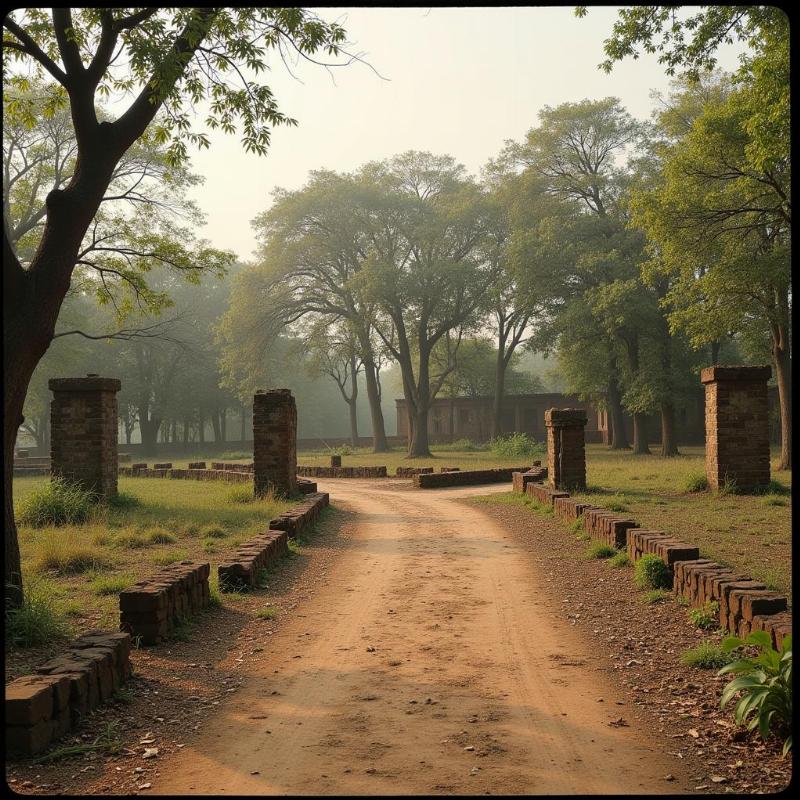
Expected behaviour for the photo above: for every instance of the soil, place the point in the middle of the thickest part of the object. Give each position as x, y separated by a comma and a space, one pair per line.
423, 644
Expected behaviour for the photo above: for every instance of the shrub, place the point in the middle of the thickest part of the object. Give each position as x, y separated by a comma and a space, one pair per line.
696, 482
210, 546
516, 445
765, 683
621, 559
577, 525
705, 617
241, 494
656, 596
64, 557
650, 572
58, 502
39, 620
706, 655
600, 550
341, 450
213, 532
462, 446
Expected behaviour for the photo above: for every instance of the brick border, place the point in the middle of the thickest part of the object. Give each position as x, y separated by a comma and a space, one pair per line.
438, 480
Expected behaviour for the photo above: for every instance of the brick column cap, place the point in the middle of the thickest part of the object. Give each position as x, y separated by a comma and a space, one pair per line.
269, 396
722, 372
559, 417
92, 383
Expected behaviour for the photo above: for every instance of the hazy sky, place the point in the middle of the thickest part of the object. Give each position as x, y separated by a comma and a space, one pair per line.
455, 80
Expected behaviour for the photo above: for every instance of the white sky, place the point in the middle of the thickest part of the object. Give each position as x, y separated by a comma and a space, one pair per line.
460, 81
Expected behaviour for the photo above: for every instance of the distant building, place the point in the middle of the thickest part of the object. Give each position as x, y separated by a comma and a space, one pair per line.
454, 418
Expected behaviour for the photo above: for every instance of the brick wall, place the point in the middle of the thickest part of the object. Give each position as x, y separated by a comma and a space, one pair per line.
465, 478
342, 472
83, 438
302, 515
275, 442
241, 569
566, 456
737, 426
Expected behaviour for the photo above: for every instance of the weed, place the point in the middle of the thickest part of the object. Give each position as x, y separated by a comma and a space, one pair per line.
516, 445
655, 596
39, 620
600, 550
706, 655
241, 494
650, 572
161, 537
108, 741
682, 601
268, 612
618, 504
65, 557
164, 558
213, 532
130, 541
110, 584
101, 539
261, 578
621, 559
696, 482
577, 526
728, 487
210, 546
705, 617
58, 502
123, 695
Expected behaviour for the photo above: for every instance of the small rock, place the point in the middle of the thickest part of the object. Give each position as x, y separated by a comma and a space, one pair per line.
669, 777
145, 786
255, 772
469, 747
150, 752
718, 779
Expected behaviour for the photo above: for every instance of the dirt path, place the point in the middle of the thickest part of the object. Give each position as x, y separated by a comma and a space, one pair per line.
428, 661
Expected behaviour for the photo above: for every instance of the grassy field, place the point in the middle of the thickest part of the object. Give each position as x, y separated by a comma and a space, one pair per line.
750, 533
80, 568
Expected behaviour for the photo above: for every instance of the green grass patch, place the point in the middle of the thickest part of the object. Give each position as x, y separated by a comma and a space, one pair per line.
267, 612
161, 537
650, 572
600, 550
241, 494
63, 556
56, 502
696, 482
655, 596
705, 618
163, 558
213, 532
706, 655
621, 559
110, 584
40, 620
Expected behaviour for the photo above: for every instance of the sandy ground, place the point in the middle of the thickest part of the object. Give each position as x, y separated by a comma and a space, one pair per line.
429, 661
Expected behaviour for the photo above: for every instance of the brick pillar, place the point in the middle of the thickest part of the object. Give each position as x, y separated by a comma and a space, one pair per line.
566, 456
737, 426
83, 438
275, 442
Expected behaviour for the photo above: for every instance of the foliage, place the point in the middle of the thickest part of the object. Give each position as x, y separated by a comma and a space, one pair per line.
267, 612
240, 494
64, 556
765, 683
650, 572
621, 559
706, 655
463, 445
600, 550
696, 482
58, 502
705, 617
110, 584
655, 596
516, 445
39, 620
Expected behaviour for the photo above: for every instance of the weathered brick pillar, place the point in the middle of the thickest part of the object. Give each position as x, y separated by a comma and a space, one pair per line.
83, 437
336, 461
566, 456
274, 442
737, 426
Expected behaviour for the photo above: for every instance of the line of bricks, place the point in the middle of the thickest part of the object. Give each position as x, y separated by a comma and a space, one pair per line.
342, 472
410, 472
242, 567
745, 605
201, 474
465, 477
151, 608
44, 707
535, 474
302, 515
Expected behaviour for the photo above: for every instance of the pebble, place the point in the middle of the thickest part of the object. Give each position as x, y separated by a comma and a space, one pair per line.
469, 747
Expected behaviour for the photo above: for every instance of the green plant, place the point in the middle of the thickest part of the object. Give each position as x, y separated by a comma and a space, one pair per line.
58, 502
268, 612
462, 446
707, 655
728, 486
656, 596
213, 532
164, 558
516, 445
765, 683
621, 559
650, 572
39, 620
65, 557
696, 482
261, 578
130, 541
161, 537
577, 525
617, 504
108, 741
210, 546
241, 494
705, 617
110, 584
340, 450
682, 601
600, 550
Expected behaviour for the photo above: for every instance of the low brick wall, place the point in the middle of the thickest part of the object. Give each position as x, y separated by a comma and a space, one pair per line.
745, 605
241, 569
342, 472
465, 478
305, 486
27, 472
197, 465
300, 516
151, 608
41, 708
449, 469
521, 479
163, 465
410, 472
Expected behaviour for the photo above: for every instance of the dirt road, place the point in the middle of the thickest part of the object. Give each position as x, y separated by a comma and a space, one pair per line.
428, 661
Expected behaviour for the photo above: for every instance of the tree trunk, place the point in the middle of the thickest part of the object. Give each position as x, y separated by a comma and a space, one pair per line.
244, 427
148, 428
419, 446
186, 427
781, 358
379, 443
215, 425
619, 441
641, 445
201, 430
669, 446
223, 423
715, 346
499, 391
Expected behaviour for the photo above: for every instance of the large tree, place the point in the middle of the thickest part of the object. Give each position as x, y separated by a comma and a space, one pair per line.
164, 59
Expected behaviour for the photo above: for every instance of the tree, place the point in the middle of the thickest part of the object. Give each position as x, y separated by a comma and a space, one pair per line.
426, 272
719, 221
167, 59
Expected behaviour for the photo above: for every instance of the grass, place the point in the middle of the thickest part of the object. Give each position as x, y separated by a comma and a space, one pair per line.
655, 596
650, 572
85, 565
621, 559
268, 612
750, 533
600, 550
706, 655
705, 617
41, 619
